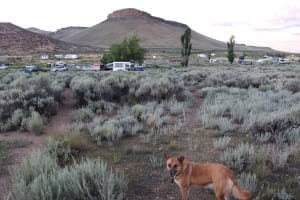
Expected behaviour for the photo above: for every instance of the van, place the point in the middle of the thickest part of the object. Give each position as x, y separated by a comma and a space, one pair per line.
116, 66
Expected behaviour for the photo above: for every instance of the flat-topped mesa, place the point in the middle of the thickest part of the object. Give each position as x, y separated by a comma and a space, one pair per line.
132, 13
127, 13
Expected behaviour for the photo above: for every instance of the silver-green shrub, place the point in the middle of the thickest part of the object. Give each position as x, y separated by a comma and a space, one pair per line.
241, 158
222, 142
90, 179
82, 115
59, 149
263, 137
292, 85
35, 123
156, 161
83, 88
101, 106
282, 194
23, 94
176, 108
251, 110
248, 181
279, 158
34, 165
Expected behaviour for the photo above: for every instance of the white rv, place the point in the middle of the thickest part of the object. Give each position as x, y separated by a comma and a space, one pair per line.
116, 66
44, 57
71, 56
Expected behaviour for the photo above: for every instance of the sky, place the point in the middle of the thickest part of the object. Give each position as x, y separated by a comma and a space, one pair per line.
272, 23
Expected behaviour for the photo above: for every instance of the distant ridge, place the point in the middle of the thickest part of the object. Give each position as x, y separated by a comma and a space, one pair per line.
39, 31
154, 32
60, 34
14, 39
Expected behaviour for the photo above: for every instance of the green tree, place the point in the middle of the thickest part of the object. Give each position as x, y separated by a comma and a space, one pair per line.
209, 55
128, 50
186, 46
230, 49
106, 58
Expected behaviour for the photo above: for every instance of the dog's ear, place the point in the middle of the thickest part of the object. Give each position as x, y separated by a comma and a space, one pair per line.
166, 156
180, 159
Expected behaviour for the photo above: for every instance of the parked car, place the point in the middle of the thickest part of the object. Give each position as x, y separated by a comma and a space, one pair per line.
59, 68
108, 66
3, 67
282, 61
138, 68
88, 68
104, 67
29, 69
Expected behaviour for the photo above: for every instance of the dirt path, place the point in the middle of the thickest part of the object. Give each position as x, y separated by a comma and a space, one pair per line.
192, 120
36, 142
147, 183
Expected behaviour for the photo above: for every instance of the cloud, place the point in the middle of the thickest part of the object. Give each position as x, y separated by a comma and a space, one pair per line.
286, 19
290, 16
279, 28
231, 24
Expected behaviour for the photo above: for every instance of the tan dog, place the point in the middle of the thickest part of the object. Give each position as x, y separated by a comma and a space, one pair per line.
186, 173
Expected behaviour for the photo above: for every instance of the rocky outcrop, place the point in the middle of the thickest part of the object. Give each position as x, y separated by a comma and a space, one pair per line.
14, 39
127, 13
132, 13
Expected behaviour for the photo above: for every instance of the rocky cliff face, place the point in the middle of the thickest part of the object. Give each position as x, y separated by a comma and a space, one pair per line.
14, 39
127, 13
132, 13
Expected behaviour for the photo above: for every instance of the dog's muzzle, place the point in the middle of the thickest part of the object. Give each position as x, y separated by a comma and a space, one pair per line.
173, 172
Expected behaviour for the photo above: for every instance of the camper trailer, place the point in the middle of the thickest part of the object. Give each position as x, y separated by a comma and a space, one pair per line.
116, 66
71, 56
44, 57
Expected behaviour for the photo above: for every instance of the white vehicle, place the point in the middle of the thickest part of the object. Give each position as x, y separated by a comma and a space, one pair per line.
71, 56
44, 57
3, 67
59, 68
116, 66
283, 61
29, 66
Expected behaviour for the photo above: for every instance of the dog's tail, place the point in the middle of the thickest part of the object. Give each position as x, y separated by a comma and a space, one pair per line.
239, 193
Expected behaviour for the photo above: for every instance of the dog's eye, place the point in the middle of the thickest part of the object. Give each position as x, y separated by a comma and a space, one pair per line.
169, 165
175, 166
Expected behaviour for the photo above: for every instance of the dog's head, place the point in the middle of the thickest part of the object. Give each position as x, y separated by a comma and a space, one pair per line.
174, 164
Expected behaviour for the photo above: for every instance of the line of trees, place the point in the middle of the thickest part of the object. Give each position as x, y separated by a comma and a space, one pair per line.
130, 50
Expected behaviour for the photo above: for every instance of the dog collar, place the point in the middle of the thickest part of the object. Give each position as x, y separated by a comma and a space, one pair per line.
173, 178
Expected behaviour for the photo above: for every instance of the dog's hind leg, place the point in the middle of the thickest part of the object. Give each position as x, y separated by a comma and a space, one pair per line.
221, 197
218, 189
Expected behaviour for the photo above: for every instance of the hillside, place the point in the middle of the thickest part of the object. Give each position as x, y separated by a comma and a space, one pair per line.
39, 31
154, 32
14, 39
60, 34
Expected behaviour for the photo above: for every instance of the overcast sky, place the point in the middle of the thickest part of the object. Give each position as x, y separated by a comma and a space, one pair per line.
273, 23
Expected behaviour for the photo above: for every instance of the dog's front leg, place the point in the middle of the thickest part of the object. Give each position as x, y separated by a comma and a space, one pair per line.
184, 192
